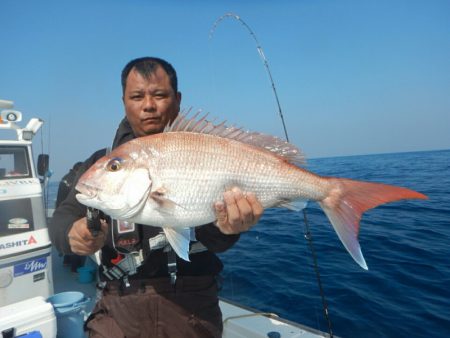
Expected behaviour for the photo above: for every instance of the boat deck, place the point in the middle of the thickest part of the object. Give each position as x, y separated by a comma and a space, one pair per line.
239, 321
66, 280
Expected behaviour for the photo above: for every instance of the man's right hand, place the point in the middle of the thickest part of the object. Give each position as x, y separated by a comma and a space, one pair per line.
81, 240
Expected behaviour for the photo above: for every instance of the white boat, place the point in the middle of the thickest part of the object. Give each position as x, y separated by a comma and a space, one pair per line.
31, 272
25, 248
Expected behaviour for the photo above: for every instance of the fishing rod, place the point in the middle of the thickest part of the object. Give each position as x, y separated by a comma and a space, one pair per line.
307, 233
263, 58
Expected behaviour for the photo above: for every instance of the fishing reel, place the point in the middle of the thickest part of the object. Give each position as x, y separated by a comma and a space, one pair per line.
93, 220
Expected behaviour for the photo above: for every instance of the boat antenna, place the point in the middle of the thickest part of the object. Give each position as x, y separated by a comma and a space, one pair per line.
307, 233
45, 180
49, 128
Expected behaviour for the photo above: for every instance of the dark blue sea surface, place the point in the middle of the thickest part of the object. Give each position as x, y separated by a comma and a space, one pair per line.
406, 244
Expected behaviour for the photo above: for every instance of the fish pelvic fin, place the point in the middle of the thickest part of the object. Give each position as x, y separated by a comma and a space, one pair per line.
179, 240
348, 200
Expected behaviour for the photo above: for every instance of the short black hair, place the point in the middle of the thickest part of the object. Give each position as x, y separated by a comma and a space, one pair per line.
147, 66
77, 166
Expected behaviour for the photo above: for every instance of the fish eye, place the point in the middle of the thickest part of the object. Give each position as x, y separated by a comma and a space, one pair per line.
114, 165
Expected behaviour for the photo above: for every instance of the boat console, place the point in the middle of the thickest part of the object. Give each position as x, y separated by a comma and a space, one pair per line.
25, 248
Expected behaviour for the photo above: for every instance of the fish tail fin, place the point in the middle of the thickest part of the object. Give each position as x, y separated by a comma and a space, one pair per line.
347, 200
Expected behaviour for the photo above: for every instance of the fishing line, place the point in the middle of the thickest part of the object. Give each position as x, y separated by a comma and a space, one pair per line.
307, 232
308, 237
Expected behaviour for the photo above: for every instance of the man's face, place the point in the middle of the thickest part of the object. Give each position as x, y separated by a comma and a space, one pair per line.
150, 103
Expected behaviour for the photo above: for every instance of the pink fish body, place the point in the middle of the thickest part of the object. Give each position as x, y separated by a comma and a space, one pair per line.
172, 180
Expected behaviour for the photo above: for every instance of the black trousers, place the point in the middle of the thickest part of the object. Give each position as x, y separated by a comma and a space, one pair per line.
155, 308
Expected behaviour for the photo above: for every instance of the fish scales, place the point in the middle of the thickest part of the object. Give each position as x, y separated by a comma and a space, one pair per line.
196, 169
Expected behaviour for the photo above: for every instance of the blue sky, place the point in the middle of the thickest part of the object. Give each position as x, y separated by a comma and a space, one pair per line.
353, 77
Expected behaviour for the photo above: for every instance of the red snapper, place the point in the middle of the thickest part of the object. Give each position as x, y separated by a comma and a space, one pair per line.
172, 180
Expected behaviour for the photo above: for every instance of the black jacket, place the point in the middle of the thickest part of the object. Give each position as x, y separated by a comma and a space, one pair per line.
65, 185
203, 263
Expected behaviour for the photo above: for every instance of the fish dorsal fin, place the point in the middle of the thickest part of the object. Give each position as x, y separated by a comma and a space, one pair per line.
201, 125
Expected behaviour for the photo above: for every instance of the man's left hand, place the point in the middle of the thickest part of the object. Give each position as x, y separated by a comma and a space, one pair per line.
238, 213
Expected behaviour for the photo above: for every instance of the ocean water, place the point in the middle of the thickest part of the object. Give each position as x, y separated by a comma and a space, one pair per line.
406, 244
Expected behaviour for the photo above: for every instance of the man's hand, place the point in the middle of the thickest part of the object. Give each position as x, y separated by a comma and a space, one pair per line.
81, 240
239, 212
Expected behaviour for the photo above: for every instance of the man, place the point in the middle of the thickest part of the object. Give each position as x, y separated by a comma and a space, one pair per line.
149, 303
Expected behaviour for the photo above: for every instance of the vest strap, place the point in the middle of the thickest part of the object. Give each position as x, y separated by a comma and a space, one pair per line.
131, 261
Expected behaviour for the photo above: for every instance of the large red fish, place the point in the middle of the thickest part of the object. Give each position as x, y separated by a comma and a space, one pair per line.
172, 180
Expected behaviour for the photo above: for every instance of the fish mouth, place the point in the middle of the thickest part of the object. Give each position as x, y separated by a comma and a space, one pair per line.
87, 191
91, 196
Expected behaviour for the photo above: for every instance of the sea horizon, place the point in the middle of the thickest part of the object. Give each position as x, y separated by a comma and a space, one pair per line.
379, 153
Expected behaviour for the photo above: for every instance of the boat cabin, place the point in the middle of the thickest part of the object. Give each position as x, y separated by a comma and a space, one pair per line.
25, 261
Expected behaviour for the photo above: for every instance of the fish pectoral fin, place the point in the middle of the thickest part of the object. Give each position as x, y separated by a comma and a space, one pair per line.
159, 196
166, 204
179, 240
297, 205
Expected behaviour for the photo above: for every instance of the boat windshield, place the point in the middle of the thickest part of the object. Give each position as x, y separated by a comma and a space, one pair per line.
14, 162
